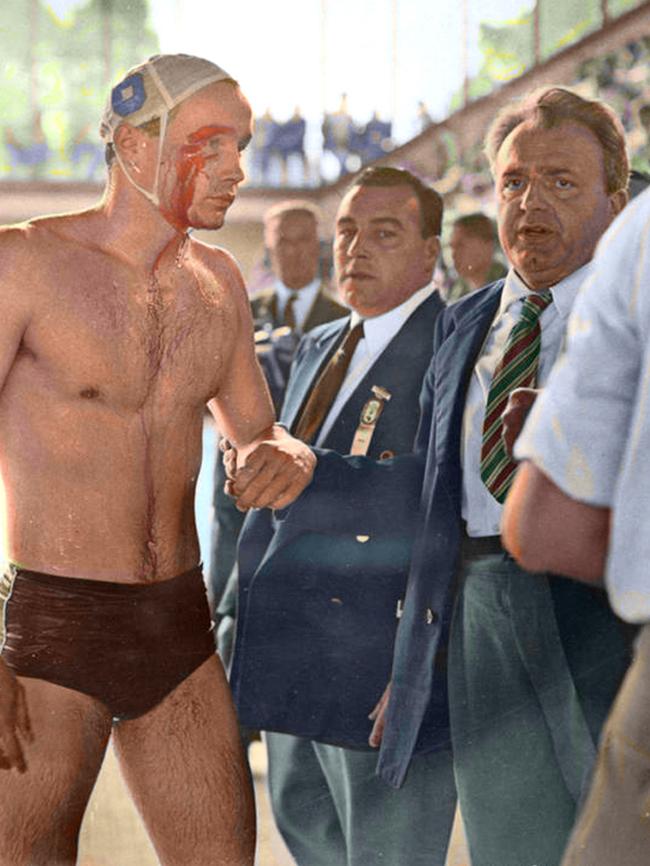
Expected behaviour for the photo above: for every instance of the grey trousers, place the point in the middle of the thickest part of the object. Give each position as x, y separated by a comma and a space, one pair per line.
614, 825
332, 810
523, 749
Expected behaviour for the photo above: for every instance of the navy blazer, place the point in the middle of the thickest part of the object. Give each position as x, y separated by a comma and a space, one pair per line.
317, 608
426, 489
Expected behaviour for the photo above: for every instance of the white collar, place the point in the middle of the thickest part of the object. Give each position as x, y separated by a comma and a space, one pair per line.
378, 330
285, 293
564, 293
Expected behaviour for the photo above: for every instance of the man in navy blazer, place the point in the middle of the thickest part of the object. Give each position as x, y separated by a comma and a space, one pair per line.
533, 659
319, 610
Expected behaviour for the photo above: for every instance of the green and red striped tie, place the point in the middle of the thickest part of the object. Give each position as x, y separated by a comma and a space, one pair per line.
517, 368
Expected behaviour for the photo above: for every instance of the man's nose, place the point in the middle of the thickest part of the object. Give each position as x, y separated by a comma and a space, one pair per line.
238, 171
357, 245
232, 170
534, 195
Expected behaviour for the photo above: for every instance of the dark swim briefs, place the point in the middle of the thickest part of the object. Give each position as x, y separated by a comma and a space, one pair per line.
127, 645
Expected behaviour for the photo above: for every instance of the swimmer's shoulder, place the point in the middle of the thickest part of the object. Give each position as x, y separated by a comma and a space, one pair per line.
221, 267
20, 251
39, 237
31, 254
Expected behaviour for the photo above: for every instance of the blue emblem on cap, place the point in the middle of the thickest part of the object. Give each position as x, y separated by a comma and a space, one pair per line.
129, 95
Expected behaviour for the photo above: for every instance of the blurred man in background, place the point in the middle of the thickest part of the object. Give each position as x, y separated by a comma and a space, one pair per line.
474, 247
298, 301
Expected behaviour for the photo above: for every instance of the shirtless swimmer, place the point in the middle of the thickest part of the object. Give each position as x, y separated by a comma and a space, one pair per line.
116, 330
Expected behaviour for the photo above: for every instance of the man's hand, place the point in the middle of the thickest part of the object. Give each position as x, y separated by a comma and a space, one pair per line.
229, 459
14, 721
271, 472
519, 404
378, 716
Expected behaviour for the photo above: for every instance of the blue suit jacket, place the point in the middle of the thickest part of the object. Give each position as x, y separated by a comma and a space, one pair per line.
317, 608
426, 489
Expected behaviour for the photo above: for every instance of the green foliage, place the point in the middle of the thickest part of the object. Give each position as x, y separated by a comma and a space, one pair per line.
59, 60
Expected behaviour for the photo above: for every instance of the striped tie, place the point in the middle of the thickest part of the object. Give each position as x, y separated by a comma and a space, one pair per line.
517, 368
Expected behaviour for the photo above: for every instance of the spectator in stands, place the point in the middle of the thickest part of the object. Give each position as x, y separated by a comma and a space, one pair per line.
290, 141
337, 131
424, 118
264, 133
473, 246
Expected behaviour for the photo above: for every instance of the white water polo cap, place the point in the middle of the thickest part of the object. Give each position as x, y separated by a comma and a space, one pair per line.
150, 90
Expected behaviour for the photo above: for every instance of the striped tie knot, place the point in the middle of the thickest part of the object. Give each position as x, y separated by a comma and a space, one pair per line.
517, 368
534, 305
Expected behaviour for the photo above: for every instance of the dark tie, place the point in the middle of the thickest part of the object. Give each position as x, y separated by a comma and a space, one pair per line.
327, 387
289, 319
517, 368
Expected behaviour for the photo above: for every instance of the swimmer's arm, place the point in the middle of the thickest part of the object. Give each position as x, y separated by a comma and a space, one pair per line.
16, 301
273, 467
546, 530
18, 264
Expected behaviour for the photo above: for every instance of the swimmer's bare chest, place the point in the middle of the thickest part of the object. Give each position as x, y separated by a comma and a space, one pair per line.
134, 340
108, 390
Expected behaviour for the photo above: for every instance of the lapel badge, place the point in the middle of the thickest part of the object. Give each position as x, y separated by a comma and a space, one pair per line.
370, 415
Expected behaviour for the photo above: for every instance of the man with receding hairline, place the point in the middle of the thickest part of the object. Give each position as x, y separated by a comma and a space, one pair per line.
299, 297
117, 329
533, 660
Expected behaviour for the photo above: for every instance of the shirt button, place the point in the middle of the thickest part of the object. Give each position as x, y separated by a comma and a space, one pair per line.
432, 617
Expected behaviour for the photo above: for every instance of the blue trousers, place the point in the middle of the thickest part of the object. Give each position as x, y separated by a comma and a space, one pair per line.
524, 739
332, 810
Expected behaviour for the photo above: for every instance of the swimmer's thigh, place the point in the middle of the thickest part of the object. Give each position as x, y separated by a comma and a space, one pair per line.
185, 766
41, 810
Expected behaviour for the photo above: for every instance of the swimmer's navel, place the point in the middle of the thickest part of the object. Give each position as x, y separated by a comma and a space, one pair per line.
89, 393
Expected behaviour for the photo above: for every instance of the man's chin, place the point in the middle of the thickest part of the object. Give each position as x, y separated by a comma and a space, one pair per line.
207, 223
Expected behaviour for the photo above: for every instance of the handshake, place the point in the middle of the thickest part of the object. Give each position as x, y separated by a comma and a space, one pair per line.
270, 472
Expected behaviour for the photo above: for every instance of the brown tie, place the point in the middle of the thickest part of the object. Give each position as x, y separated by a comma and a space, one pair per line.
289, 319
327, 387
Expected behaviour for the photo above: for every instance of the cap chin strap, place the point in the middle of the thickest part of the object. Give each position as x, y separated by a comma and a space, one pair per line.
152, 194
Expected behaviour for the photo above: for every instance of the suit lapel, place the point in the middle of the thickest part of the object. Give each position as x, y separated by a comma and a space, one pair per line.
455, 361
311, 363
322, 310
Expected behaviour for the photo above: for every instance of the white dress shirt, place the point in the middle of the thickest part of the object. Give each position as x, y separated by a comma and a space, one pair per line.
378, 331
480, 509
590, 429
305, 299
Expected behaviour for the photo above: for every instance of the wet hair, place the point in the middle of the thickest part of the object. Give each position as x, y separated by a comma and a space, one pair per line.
553, 106
478, 225
429, 200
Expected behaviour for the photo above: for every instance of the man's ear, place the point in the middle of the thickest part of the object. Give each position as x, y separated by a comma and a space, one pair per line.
130, 143
618, 200
432, 247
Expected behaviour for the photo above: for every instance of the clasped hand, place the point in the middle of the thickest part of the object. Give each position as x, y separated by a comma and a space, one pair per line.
270, 472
